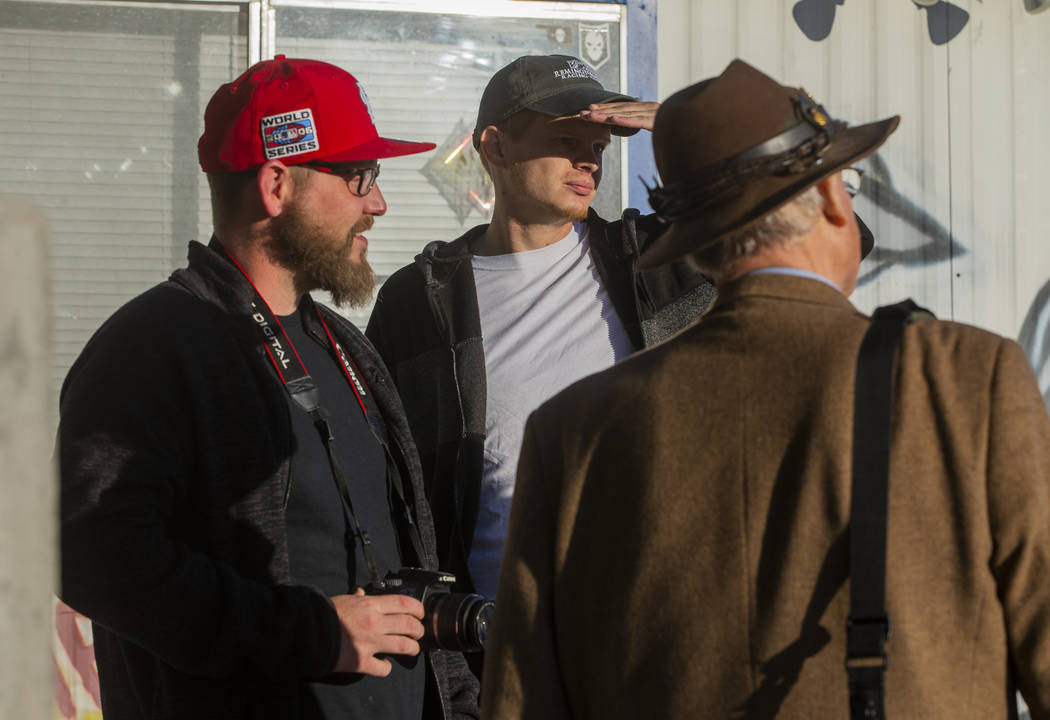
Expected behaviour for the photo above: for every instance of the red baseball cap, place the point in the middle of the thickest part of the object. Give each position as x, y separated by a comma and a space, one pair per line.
295, 111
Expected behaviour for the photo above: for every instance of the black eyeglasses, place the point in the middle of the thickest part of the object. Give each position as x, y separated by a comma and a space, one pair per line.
851, 177
365, 176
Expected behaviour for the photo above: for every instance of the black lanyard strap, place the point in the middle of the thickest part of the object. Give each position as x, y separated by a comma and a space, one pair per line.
868, 626
327, 438
357, 385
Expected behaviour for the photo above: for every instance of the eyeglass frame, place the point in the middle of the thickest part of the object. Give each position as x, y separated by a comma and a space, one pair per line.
851, 188
366, 176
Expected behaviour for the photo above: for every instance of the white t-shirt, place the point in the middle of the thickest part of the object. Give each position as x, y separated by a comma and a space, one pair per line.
546, 321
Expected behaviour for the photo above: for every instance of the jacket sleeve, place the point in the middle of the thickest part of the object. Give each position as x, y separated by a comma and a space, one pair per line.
133, 563
522, 675
1019, 513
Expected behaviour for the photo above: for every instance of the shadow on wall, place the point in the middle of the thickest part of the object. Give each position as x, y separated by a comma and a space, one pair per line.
944, 20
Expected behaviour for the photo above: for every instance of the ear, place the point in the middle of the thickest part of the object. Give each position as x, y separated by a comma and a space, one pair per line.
275, 185
493, 147
837, 207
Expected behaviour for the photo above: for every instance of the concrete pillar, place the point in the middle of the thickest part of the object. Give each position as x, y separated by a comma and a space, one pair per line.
28, 541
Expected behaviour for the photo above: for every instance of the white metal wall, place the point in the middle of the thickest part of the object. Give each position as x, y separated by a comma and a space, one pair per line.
959, 199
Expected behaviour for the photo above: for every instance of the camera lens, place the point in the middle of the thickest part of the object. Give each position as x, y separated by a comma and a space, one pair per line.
480, 623
459, 621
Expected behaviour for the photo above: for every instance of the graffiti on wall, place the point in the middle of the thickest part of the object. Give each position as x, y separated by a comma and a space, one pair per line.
931, 243
1035, 339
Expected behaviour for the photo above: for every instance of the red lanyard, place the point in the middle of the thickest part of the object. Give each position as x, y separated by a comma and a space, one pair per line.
290, 367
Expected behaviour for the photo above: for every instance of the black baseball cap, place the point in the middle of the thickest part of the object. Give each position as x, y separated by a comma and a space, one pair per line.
555, 85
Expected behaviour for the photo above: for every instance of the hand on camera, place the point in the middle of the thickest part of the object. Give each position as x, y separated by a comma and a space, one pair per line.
376, 624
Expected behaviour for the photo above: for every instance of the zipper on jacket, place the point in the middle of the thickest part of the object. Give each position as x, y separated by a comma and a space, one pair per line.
642, 299
430, 284
287, 489
443, 329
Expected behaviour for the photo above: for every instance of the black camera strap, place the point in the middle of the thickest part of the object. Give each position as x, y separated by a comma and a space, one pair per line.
868, 626
303, 391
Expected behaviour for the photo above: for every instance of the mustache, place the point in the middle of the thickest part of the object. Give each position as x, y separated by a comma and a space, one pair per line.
363, 225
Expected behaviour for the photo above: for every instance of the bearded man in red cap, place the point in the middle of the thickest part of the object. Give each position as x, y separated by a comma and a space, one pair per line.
236, 466
680, 541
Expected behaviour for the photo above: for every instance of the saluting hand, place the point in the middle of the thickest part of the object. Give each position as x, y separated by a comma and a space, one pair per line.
626, 114
376, 624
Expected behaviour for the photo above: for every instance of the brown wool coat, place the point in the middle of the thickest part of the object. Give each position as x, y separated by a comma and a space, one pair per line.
676, 545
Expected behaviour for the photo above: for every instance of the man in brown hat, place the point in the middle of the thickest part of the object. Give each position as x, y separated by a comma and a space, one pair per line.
678, 540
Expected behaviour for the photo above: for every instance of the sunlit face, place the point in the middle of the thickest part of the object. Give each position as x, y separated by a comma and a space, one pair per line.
318, 236
554, 168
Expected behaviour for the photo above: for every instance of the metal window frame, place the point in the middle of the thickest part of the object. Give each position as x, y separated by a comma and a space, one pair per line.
210, 5
635, 17
590, 10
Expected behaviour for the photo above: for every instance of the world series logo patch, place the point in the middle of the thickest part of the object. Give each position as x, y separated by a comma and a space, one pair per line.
291, 133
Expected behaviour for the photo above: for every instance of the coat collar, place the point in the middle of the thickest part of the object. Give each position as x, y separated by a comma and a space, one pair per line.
213, 276
781, 287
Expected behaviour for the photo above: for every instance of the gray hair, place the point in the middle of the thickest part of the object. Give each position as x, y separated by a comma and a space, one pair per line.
781, 227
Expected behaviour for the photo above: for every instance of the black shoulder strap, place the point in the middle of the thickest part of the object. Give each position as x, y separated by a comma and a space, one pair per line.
868, 626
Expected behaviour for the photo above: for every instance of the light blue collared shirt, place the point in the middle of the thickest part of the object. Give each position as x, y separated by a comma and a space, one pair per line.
797, 272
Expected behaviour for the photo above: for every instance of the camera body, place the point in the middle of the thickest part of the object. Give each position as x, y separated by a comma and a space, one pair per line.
451, 621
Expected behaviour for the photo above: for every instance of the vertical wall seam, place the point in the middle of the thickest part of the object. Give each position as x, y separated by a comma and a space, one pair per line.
951, 177
1013, 159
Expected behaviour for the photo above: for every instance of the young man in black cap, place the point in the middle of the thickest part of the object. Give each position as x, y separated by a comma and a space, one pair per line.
481, 330
689, 538
235, 463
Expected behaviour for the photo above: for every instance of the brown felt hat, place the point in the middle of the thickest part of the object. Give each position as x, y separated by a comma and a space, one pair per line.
732, 149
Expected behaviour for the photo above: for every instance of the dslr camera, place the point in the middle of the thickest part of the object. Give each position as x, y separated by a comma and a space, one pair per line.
451, 621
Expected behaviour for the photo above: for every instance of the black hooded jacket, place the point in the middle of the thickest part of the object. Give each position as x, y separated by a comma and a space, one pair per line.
174, 447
